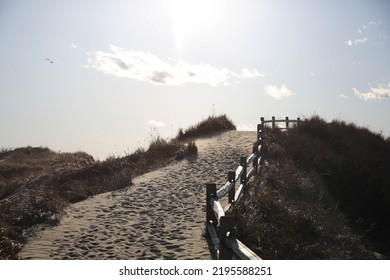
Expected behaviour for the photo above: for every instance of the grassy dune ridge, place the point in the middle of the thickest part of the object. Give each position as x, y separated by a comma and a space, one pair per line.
37, 184
324, 194
211, 124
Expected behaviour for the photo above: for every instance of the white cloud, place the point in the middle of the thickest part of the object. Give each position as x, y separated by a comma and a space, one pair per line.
368, 25
360, 41
72, 45
246, 127
146, 67
250, 73
378, 93
278, 93
365, 28
356, 42
154, 123
372, 23
343, 96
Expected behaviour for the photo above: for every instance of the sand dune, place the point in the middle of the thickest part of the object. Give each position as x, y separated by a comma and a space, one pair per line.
160, 217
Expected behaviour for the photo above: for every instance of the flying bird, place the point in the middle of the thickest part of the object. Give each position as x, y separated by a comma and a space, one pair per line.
48, 59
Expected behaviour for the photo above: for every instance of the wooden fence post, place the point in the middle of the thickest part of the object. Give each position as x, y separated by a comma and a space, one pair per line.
287, 123
226, 229
232, 192
256, 159
244, 169
273, 123
259, 131
211, 191
262, 123
260, 140
261, 154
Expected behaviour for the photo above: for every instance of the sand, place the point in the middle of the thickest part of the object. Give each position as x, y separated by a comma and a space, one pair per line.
160, 217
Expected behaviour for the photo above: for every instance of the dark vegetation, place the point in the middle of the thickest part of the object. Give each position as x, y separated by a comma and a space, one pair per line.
324, 193
36, 184
211, 124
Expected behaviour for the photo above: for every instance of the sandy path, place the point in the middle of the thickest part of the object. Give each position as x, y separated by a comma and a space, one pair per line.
161, 217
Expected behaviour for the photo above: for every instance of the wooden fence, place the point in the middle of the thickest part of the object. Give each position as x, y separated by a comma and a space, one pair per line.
273, 122
221, 228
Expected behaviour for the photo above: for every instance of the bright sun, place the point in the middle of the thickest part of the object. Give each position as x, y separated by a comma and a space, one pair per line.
193, 17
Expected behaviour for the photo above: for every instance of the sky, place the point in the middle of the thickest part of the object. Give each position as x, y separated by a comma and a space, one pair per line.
107, 77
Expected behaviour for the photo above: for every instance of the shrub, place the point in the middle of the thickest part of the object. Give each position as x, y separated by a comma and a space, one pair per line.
191, 148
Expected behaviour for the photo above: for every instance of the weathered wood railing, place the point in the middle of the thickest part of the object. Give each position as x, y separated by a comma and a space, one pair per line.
220, 227
274, 121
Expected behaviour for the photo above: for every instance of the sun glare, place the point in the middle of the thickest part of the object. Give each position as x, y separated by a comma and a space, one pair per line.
193, 17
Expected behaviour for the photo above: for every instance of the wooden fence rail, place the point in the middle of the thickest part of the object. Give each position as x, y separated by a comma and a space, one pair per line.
220, 227
273, 121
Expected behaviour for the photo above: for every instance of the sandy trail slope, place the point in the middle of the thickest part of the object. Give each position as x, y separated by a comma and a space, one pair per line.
160, 217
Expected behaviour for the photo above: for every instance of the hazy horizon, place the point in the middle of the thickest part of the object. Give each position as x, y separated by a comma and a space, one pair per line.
106, 77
